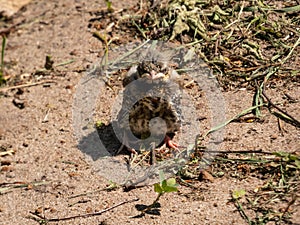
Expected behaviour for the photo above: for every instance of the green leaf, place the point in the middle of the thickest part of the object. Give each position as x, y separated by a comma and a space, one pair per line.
236, 194
109, 5
99, 124
171, 182
164, 184
170, 189
157, 188
169, 185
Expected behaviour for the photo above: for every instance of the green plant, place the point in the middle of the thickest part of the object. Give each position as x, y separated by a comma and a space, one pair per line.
236, 195
99, 124
109, 5
164, 186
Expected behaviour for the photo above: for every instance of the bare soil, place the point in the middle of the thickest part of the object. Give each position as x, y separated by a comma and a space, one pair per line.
36, 124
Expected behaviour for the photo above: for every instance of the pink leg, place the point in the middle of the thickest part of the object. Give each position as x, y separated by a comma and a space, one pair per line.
170, 143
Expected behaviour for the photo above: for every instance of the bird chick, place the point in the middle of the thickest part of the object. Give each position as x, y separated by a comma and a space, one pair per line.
148, 97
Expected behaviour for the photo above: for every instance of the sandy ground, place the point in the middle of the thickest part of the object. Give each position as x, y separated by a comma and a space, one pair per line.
41, 133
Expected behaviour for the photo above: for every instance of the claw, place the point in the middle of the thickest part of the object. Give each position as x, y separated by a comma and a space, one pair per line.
167, 140
170, 143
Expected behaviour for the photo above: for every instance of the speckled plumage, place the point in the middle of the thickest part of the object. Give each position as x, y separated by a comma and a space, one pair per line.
150, 93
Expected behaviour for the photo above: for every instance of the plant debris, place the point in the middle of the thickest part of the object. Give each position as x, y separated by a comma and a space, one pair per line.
242, 41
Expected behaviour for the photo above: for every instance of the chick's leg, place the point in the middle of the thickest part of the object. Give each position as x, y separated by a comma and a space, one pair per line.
170, 143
